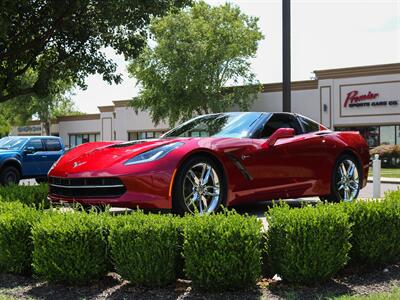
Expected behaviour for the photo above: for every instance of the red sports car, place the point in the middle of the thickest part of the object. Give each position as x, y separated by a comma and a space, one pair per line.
217, 159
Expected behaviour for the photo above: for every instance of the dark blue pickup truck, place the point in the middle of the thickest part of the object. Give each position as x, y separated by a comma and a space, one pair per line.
28, 157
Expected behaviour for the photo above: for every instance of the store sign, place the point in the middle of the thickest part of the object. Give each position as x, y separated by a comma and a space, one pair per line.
370, 99
29, 129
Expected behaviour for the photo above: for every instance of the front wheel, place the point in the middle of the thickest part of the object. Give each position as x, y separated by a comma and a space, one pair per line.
9, 175
346, 180
199, 186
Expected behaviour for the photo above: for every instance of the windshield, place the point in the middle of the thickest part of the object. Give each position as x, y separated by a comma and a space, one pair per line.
233, 125
12, 143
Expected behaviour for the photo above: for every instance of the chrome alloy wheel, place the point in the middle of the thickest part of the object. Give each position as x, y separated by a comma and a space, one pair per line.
348, 180
201, 188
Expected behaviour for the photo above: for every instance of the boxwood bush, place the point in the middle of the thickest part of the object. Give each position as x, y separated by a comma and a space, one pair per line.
11, 206
145, 248
71, 247
309, 244
16, 246
30, 195
376, 231
222, 251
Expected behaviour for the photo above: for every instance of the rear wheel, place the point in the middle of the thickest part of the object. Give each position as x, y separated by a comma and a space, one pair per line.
9, 175
199, 186
346, 180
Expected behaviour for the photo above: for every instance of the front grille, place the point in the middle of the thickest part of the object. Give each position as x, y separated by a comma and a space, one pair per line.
86, 187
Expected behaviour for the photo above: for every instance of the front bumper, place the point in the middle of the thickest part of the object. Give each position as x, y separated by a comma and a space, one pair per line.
147, 192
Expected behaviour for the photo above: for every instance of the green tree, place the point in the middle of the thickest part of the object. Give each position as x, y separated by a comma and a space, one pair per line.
56, 103
64, 39
195, 54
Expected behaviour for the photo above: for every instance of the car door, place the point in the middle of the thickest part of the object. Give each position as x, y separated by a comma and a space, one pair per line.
53, 150
267, 165
34, 158
285, 169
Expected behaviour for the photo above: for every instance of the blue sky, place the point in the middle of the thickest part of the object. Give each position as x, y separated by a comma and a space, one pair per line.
325, 34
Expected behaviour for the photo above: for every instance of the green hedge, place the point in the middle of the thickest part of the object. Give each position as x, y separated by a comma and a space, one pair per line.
145, 248
11, 206
376, 231
71, 247
222, 251
16, 246
309, 244
30, 195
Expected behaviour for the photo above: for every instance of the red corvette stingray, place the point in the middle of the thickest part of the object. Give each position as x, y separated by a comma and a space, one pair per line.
213, 160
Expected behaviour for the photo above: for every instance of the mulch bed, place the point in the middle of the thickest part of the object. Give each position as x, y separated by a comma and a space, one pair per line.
112, 287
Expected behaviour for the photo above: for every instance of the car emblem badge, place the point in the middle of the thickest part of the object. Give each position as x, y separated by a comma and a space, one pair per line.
77, 164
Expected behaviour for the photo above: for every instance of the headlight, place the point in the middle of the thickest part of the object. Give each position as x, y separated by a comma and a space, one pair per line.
153, 154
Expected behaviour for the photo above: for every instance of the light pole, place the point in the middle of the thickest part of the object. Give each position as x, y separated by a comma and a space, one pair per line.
286, 80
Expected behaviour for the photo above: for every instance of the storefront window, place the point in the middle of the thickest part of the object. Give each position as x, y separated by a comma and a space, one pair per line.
398, 134
144, 135
77, 139
388, 135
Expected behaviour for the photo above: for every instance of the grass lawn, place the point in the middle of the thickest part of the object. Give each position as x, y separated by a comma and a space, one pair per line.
392, 173
393, 295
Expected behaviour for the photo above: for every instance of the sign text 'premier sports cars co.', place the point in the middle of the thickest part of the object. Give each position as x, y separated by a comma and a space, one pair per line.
381, 98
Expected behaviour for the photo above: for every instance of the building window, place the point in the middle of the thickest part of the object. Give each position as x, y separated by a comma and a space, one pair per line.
143, 135
387, 135
398, 134
81, 138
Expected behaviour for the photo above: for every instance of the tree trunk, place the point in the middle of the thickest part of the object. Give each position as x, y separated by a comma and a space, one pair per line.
46, 126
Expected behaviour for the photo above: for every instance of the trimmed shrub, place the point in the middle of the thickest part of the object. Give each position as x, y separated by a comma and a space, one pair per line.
10, 206
376, 231
71, 247
309, 244
222, 251
30, 195
144, 248
16, 245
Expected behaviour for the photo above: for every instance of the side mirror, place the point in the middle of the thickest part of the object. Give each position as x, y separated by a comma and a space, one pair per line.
29, 150
281, 133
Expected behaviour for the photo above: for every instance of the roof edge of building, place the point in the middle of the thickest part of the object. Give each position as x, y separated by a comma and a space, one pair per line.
295, 86
106, 108
371, 70
79, 117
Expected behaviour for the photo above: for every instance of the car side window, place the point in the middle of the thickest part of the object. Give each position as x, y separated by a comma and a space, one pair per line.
308, 125
280, 121
52, 144
35, 143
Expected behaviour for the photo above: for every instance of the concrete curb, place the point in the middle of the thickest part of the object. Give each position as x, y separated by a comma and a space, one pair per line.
386, 180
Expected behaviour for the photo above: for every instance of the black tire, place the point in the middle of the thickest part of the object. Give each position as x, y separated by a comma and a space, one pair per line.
40, 180
178, 202
336, 195
9, 175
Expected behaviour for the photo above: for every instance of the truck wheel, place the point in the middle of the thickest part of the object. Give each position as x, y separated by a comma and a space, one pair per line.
9, 175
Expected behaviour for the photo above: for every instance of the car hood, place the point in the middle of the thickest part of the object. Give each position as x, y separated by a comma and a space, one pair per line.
7, 152
101, 156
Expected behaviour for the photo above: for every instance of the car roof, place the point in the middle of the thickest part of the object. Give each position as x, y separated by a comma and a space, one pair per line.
34, 136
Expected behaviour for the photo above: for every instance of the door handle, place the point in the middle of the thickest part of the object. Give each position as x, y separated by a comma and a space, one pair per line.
245, 156
44, 156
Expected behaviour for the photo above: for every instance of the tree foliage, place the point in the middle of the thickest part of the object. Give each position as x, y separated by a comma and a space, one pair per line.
55, 104
195, 54
64, 39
